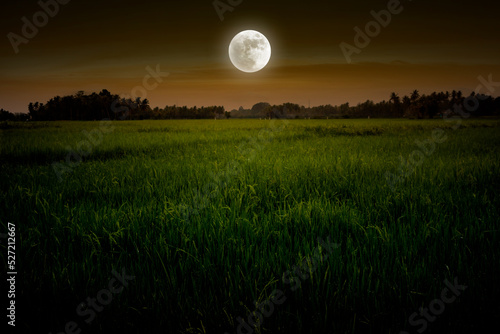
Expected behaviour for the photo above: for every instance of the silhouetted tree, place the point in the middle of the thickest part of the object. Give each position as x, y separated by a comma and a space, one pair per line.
96, 106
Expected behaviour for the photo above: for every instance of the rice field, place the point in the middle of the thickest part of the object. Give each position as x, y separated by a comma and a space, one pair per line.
254, 226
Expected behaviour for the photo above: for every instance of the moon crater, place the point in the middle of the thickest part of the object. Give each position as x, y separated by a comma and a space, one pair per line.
250, 51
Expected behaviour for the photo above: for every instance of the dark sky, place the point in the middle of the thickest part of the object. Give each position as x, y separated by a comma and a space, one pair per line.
90, 45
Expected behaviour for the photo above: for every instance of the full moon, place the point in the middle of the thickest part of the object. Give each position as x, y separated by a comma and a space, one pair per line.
250, 51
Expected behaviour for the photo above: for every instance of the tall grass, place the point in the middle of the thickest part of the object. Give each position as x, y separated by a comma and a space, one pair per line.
121, 208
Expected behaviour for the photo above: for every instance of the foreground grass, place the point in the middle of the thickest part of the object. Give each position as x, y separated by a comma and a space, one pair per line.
209, 215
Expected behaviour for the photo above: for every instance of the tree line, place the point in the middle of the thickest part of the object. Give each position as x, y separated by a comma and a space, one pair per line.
415, 106
8, 116
104, 105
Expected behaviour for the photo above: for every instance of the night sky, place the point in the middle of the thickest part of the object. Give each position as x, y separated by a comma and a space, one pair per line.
91, 45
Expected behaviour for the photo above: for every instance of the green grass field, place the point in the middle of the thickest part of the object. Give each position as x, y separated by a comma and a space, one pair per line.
212, 216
